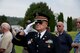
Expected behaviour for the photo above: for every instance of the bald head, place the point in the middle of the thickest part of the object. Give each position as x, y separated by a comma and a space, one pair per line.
60, 26
60, 23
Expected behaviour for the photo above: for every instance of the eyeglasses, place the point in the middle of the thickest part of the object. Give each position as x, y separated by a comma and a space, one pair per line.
58, 26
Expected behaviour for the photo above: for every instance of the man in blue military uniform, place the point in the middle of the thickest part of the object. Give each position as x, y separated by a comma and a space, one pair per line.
39, 41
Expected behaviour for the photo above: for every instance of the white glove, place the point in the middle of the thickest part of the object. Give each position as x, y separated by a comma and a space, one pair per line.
29, 28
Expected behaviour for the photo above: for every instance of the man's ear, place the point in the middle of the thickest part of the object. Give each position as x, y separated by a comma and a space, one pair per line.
47, 23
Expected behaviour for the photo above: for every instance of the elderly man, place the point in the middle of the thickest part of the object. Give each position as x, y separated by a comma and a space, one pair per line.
65, 39
40, 41
76, 42
6, 42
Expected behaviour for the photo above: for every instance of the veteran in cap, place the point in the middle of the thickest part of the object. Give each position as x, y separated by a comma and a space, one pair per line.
39, 41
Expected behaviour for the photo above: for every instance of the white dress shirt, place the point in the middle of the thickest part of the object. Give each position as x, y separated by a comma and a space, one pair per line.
42, 33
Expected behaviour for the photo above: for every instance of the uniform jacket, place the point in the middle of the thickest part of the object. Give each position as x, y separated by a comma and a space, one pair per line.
49, 43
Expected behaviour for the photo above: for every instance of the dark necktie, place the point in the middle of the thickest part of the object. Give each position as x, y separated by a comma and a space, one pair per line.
39, 35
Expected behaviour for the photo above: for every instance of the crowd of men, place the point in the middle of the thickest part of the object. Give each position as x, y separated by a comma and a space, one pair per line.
39, 39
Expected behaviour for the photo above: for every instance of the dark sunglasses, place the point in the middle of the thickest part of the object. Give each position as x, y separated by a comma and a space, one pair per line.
39, 21
58, 26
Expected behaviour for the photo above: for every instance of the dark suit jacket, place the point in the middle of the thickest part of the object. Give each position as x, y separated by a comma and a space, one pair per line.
65, 42
49, 43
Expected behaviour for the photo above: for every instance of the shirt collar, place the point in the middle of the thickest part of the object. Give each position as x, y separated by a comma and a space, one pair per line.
42, 33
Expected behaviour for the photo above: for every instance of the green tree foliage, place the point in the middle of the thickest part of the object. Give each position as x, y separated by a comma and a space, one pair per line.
52, 23
3, 18
39, 8
14, 20
60, 17
69, 24
11, 20
20, 22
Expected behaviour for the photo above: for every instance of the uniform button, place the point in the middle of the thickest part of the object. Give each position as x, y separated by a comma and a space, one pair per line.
37, 45
37, 51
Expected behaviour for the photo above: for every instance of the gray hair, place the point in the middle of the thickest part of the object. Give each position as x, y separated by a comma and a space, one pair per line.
5, 25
